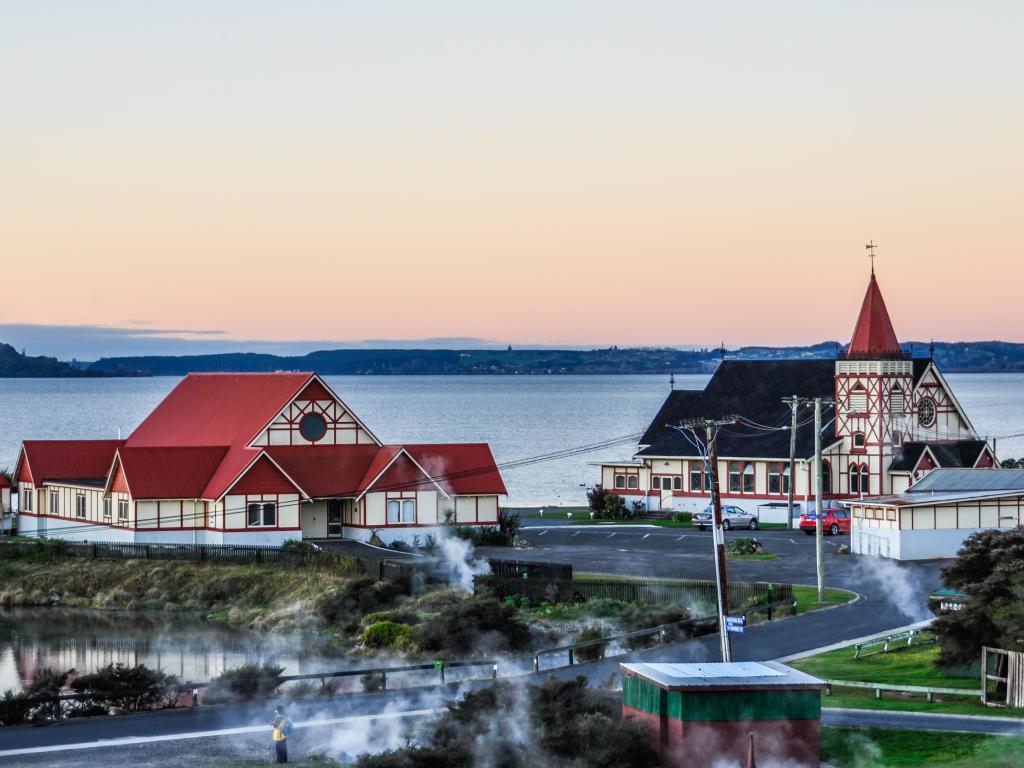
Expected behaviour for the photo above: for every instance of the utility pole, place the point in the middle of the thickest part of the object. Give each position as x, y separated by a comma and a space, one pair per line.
794, 403
819, 488
718, 532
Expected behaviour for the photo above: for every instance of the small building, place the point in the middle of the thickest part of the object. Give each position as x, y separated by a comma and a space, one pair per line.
888, 419
702, 714
934, 517
233, 458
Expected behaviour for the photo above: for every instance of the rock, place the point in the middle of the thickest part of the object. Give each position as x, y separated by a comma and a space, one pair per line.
54, 599
520, 543
843, 549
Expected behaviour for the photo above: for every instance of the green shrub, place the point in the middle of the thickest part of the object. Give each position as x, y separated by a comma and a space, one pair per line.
509, 523
590, 652
303, 689
245, 683
388, 634
683, 517
458, 628
15, 708
347, 605
373, 682
398, 615
132, 689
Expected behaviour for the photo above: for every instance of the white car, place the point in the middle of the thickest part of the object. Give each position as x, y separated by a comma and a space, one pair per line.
732, 517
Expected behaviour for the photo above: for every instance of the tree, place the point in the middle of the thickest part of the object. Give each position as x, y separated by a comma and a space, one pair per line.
989, 569
597, 498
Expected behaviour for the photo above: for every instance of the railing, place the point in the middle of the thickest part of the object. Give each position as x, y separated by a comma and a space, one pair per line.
209, 553
878, 688
895, 642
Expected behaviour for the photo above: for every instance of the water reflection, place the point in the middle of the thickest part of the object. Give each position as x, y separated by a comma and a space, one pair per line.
182, 645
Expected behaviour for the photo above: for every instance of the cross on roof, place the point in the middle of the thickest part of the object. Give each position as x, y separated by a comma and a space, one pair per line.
871, 254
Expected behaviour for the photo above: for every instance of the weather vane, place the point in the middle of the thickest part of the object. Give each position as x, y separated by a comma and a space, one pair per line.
871, 254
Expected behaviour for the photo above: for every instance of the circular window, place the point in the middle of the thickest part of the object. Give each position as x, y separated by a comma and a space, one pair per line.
313, 427
926, 412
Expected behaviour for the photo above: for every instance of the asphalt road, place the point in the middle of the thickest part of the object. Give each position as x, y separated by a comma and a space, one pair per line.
890, 595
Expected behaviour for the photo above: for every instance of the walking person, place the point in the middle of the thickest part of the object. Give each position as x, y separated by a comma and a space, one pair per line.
282, 730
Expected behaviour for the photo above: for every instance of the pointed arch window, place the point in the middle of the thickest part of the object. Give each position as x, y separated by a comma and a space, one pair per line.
854, 478
826, 477
896, 401
865, 479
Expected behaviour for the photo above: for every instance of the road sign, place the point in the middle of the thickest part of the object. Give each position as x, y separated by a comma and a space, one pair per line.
735, 624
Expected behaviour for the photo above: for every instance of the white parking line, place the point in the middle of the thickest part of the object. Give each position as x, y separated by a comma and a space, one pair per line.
610, 535
575, 534
647, 534
130, 740
542, 532
680, 538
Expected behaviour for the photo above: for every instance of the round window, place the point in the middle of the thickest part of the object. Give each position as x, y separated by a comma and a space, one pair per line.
926, 412
313, 427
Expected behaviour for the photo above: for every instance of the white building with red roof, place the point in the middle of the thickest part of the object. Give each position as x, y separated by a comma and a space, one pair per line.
232, 458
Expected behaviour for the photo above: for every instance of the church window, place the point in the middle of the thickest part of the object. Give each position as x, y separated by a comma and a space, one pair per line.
858, 399
656, 482
865, 479
633, 482
854, 478
748, 478
826, 477
735, 477
858, 439
778, 478
677, 483
896, 401
696, 476
620, 481
926, 412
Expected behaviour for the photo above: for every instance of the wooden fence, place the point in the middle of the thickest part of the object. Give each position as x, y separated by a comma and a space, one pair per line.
199, 553
656, 591
524, 569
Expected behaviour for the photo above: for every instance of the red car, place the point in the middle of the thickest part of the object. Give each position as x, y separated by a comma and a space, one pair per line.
834, 521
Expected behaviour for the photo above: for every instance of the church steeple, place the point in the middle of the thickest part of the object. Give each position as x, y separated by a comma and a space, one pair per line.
873, 336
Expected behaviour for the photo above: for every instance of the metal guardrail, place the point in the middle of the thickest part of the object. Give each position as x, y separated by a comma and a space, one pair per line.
878, 688
895, 642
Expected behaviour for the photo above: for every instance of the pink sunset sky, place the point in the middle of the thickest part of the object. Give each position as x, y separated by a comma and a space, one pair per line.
535, 172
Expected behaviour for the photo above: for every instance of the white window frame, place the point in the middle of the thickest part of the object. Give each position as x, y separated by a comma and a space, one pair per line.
54, 503
81, 506
108, 508
401, 511
266, 514
122, 511
25, 499
620, 481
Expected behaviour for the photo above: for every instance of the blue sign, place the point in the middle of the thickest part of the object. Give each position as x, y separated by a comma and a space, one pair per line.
735, 624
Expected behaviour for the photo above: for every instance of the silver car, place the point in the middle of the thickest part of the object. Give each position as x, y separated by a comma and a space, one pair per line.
732, 517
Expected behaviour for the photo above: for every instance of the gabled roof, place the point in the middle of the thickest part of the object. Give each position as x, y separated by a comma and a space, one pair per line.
752, 389
4, 482
462, 468
74, 461
168, 473
969, 480
400, 472
959, 453
874, 337
217, 409
326, 471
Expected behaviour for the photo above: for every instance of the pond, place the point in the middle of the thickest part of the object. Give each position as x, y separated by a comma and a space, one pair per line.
179, 644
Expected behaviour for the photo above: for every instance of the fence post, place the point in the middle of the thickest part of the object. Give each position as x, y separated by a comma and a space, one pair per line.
93, 551
383, 681
536, 663
195, 697
147, 551
440, 669
572, 659
494, 672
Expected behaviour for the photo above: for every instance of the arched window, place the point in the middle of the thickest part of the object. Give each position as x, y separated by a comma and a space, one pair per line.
632, 482
858, 399
785, 479
826, 477
865, 479
620, 481
748, 478
854, 478
858, 439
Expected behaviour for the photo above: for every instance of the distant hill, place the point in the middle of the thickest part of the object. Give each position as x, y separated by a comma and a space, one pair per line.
976, 357
14, 365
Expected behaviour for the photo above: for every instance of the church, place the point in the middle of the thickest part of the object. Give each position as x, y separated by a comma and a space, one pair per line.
254, 458
888, 419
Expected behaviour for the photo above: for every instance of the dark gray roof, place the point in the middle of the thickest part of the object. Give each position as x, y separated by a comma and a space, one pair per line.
969, 480
731, 675
754, 390
955, 454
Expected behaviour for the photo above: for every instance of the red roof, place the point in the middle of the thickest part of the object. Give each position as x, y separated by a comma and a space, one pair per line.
170, 473
463, 468
326, 470
218, 409
4, 482
79, 460
874, 337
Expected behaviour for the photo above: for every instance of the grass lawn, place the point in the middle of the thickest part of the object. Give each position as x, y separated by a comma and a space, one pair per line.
754, 556
855, 748
807, 598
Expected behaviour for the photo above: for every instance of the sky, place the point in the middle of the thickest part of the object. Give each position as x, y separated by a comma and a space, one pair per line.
579, 173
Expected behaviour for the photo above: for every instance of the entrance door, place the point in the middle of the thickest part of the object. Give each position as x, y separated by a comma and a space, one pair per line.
334, 518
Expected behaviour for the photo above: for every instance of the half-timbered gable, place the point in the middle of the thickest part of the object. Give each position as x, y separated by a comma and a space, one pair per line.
315, 416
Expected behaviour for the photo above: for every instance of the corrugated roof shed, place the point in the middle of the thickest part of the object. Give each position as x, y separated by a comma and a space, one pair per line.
969, 480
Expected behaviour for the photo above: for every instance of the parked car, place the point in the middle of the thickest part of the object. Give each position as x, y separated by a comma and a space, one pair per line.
732, 517
834, 520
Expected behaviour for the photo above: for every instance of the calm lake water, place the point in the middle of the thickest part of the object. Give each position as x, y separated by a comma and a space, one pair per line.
520, 416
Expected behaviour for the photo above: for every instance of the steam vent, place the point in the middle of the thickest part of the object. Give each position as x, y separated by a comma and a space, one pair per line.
702, 714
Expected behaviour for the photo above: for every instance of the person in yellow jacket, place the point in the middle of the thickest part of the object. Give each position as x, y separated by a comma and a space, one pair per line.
282, 730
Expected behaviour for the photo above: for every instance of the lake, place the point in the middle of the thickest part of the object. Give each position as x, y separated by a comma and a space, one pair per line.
520, 416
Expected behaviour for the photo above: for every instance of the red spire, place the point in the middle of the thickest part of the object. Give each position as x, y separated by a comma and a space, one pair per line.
874, 337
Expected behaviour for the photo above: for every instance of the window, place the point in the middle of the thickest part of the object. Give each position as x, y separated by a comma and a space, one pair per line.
632, 482
313, 427
54, 503
696, 476
858, 400
401, 511
926, 412
262, 515
334, 517
778, 478
896, 401
677, 483
748, 478
858, 439
26, 504
826, 477
735, 477
122, 511
865, 479
106, 509
620, 481
854, 479
80, 505
656, 482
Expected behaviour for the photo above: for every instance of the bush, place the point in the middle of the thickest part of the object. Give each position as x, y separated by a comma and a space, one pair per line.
15, 708
509, 523
614, 507
590, 652
597, 499
373, 682
388, 634
682, 517
132, 689
398, 615
303, 689
245, 683
461, 627
637, 617
346, 606
481, 535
